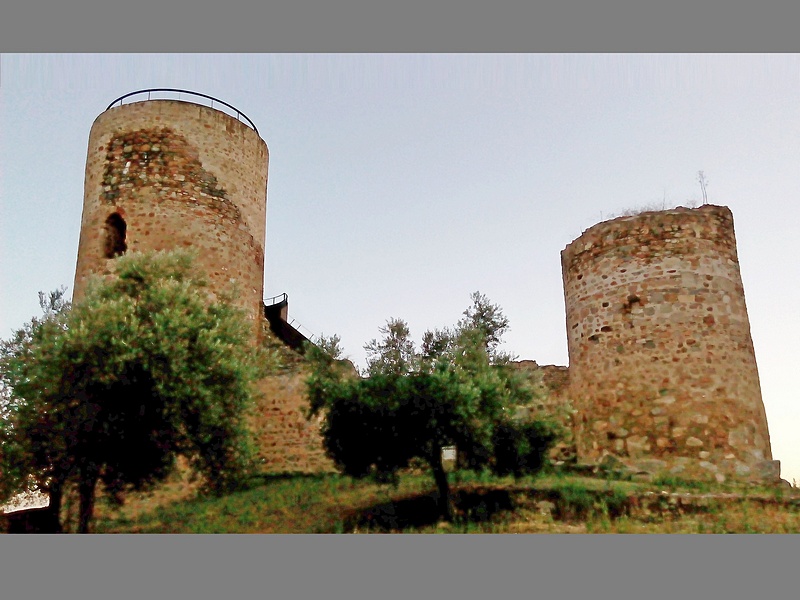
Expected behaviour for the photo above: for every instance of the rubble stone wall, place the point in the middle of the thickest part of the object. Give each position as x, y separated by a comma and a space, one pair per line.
166, 174
662, 365
286, 439
550, 384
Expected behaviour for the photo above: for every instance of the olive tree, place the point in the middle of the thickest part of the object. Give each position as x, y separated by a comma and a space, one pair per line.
457, 390
148, 366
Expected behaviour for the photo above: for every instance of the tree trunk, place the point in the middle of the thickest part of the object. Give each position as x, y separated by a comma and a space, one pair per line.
86, 489
440, 476
54, 508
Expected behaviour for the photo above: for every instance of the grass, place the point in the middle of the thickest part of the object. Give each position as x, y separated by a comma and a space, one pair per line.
551, 503
276, 504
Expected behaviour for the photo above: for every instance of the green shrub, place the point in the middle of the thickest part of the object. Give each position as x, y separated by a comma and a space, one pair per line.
521, 448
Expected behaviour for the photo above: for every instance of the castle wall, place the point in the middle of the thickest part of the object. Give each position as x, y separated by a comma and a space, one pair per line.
177, 175
550, 384
662, 365
286, 439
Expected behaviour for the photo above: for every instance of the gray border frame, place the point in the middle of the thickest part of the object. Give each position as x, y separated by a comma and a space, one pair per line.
397, 566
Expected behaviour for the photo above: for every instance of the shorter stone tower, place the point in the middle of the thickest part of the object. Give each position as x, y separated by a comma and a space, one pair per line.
662, 368
164, 174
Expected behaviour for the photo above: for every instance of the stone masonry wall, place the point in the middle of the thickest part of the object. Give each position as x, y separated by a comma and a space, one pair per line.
177, 174
551, 385
662, 367
287, 441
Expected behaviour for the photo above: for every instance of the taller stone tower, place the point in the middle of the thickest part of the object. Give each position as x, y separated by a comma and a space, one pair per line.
662, 368
164, 174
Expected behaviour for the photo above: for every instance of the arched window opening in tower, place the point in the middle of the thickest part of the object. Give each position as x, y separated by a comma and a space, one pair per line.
116, 229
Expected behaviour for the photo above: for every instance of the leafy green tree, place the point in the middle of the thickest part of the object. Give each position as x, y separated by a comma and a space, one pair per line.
17, 449
148, 366
331, 345
489, 322
413, 404
394, 354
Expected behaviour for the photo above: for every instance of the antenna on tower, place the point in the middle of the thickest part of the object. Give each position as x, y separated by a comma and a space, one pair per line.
701, 178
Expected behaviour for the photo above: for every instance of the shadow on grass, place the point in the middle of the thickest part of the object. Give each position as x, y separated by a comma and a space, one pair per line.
265, 478
423, 510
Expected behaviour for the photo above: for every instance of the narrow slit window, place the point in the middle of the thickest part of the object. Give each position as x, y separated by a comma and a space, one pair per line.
116, 229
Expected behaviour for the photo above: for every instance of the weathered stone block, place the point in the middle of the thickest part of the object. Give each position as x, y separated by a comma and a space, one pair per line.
637, 445
768, 470
653, 466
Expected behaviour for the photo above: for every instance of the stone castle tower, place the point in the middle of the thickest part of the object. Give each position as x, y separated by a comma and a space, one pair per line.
165, 173
172, 173
662, 366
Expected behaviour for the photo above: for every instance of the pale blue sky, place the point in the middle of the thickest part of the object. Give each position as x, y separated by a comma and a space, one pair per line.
399, 184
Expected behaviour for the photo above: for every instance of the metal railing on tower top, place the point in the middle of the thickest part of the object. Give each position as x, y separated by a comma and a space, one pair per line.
239, 114
276, 299
272, 307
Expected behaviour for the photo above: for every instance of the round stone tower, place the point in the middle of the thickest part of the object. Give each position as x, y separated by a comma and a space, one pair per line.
662, 368
164, 174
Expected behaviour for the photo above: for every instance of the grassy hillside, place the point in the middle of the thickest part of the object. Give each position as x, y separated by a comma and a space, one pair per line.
554, 503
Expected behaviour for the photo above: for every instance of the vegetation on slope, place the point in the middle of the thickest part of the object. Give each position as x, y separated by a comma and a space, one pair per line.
484, 503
